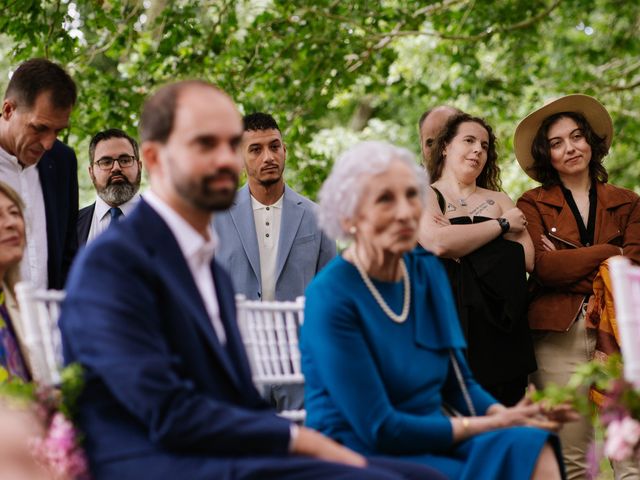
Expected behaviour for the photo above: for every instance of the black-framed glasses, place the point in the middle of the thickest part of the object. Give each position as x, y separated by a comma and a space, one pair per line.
106, 163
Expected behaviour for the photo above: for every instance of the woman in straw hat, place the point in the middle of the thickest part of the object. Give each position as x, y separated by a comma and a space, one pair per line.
481, 236
576, 221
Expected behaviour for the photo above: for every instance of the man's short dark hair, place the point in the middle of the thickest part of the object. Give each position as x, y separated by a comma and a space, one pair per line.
259, 121
39, 75
106, 135
159, 110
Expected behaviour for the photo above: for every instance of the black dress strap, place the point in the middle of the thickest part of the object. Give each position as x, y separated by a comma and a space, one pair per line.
442, 203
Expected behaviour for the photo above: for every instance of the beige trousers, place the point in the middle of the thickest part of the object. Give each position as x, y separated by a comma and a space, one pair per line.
558, 355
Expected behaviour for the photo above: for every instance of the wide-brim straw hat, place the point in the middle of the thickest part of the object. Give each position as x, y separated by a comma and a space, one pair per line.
595, 113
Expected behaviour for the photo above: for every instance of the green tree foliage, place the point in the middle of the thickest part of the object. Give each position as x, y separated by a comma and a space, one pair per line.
333, 72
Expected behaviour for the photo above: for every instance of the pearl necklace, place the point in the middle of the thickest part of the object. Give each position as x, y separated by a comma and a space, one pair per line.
376, 294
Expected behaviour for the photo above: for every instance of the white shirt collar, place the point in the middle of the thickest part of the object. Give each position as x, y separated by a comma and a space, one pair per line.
256, 205
13, 160
192, 244
102, 207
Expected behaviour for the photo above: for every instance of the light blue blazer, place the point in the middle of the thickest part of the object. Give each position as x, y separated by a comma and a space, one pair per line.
303, 249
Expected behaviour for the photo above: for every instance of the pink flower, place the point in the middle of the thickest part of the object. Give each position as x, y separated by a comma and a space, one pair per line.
622, 438
60, 450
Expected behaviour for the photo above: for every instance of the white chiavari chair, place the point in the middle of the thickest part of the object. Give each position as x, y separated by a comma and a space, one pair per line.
270, 335
39, 312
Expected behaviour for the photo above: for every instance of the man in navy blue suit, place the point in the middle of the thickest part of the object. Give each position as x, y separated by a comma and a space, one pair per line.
151, 317
43, 170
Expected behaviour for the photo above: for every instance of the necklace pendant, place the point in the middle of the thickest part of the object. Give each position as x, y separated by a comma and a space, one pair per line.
463, 202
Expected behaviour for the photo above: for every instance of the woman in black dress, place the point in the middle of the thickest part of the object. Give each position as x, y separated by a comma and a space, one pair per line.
482, 237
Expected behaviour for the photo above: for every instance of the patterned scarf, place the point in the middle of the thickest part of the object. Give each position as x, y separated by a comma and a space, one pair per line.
10, 356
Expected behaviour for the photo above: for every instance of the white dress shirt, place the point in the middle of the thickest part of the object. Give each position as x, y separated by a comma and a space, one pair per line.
26, 182
267, 220
101, 218
198, 252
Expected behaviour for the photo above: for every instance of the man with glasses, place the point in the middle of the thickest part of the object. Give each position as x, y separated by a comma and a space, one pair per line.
115, 170
43, 170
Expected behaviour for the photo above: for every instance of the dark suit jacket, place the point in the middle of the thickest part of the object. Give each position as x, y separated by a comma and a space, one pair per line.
85, 215
160, 389
58, 171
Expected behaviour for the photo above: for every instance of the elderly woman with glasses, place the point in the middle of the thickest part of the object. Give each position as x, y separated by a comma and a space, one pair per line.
576, 220
12, 243
381, 344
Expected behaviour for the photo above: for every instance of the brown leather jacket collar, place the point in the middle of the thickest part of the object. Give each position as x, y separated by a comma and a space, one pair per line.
609, 198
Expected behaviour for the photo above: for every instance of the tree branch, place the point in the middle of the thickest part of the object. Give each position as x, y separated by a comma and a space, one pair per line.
489, 31
429, 9
54, 20
622, 88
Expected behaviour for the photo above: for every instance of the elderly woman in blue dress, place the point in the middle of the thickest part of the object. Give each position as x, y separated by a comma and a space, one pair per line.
382, 346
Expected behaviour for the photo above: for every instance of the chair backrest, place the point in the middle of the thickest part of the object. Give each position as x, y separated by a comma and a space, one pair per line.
270, 335
39, 312
625, 282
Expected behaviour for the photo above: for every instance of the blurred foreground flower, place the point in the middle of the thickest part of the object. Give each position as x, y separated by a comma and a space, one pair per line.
57, 448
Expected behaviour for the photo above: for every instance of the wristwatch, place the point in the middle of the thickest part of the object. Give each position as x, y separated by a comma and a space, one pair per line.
504, 224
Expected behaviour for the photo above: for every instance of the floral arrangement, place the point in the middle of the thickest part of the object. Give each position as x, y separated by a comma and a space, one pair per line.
618, 417
59, 450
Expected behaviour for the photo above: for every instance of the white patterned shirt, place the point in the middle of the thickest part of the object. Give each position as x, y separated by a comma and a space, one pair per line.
26, 181
267, 221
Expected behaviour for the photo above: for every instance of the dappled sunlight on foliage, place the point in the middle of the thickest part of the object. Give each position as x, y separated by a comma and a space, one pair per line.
329, 70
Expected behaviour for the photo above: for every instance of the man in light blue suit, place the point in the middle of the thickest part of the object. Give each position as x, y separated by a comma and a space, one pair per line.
271, 244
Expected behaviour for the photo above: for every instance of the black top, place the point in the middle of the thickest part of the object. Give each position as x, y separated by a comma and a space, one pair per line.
586, 232
490, 289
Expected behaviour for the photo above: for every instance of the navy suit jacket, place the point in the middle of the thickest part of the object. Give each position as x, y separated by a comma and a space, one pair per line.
85, 215
58, 171
159, 386
303, 249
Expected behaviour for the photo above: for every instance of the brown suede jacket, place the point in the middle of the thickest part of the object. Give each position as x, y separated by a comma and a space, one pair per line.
561, 279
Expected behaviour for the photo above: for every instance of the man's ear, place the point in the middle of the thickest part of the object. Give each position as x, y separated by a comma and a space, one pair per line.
150, 151
8, 107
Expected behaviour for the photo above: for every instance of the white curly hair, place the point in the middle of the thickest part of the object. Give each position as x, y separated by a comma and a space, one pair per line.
340, 194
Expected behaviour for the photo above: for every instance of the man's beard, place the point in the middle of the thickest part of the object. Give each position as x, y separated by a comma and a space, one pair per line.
203, 197
270, 181
119, 193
